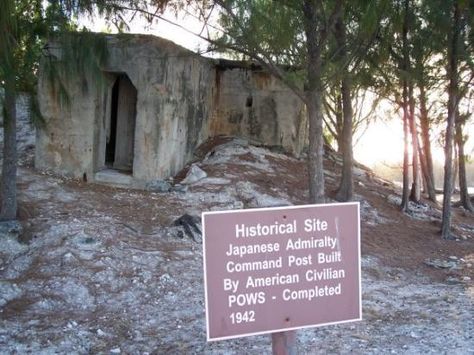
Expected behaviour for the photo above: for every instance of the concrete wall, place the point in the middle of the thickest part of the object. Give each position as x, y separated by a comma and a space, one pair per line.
65, 144
173, 100
253, 104
181, 100
173, 97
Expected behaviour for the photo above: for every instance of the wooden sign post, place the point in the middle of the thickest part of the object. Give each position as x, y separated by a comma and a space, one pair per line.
284, 343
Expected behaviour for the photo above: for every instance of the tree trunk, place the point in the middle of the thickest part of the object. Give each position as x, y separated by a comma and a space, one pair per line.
316, 152
314, 103
339, 122
8, 207
424, 170
415, 194
346, 186
406, 190
406, 67
452, 72
455, 162
463, 191
427, 156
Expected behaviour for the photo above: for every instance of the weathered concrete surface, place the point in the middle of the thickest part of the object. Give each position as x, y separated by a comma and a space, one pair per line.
173, 97
65, 144
181, 100
253, 104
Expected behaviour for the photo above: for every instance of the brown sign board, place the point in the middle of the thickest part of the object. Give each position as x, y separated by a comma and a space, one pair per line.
276, 269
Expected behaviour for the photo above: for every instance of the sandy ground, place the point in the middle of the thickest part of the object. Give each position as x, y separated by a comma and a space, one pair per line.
98, 269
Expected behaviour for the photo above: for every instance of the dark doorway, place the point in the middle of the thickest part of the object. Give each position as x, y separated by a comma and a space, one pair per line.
110, 147
119, 149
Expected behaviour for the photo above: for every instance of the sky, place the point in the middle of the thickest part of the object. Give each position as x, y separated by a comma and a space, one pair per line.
161, 28
381, 143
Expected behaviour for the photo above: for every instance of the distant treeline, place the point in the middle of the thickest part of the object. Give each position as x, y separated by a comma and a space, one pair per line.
393, 172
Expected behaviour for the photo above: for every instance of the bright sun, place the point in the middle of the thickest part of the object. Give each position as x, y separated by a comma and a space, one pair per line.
382, 142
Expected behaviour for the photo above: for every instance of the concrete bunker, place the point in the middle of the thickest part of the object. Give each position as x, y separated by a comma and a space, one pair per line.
159, 102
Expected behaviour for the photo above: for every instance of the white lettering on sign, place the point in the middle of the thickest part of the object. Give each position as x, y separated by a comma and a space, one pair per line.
312, 243
281, 268
230, 285
259, 230
277, 279
233, 266
325, 274
299, 260
310, 294
311, 225
242, 250
246, 299
333, 257
242, 317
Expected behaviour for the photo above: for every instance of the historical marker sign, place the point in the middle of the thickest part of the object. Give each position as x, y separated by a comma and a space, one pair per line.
276, 269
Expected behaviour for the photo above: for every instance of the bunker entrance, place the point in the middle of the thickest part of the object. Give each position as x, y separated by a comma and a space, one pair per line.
120, 130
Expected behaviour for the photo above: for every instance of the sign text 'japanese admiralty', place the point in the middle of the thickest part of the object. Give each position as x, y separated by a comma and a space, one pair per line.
283, 268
